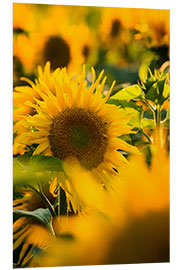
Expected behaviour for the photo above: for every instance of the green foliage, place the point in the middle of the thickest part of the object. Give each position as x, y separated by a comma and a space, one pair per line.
153, 91
148, 123
31, 169
147, 58
156, 87
129, 93
124, 104
41, 163
40, 214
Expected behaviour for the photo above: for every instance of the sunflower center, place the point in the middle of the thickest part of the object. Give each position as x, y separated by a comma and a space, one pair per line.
79, 137
79, 133
86, 51
57, 51
115, 28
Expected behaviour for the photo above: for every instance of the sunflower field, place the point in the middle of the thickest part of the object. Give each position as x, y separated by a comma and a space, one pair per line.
91, 98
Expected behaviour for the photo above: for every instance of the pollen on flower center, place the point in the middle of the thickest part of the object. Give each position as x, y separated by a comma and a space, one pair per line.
115, 28
57, 51
79, 133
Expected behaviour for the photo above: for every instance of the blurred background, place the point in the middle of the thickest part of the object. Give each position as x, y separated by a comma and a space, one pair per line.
123, 41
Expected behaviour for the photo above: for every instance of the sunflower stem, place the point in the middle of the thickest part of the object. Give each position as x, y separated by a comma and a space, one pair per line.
158, 125
62, 203
44, 199
147, 137
59, 201
148, 104
52, 229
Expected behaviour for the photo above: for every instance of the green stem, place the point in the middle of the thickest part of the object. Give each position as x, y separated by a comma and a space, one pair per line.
147, 137
158, 124
51, 229
148, 104
44, 199
59, 201
158, 116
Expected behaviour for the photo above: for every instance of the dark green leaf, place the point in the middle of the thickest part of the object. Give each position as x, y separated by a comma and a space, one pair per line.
160, 86
124, 103
42, 215
151, 94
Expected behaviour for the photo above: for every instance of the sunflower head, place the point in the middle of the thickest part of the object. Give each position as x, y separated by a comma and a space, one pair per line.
73, 121
80, 133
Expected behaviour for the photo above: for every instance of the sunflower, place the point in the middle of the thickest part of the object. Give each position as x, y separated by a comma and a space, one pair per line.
84, 46
153, 25
73, 122
23, 18
20, 96
143, 197
24, 22
115, 22
75, 243
53, 40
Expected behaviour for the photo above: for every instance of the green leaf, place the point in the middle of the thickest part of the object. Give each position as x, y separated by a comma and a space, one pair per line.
151, 94
26, 169
136, 119
150, 80
129, 93
161, 85
166, 91
147, 123
147, 58
159, 92
126, 138
124, 103
42, 215
41, 163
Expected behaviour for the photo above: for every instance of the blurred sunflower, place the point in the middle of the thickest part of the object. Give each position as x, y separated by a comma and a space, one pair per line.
81, 239
146, 189
85, 46
140, 235
115, 22
23, 18
74, 122
54, 40
24, 22
153, 26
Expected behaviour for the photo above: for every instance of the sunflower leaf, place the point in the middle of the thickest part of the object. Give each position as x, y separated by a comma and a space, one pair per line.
148, 123
124, 103
42, 215
26, 169
40, 163
129, 93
